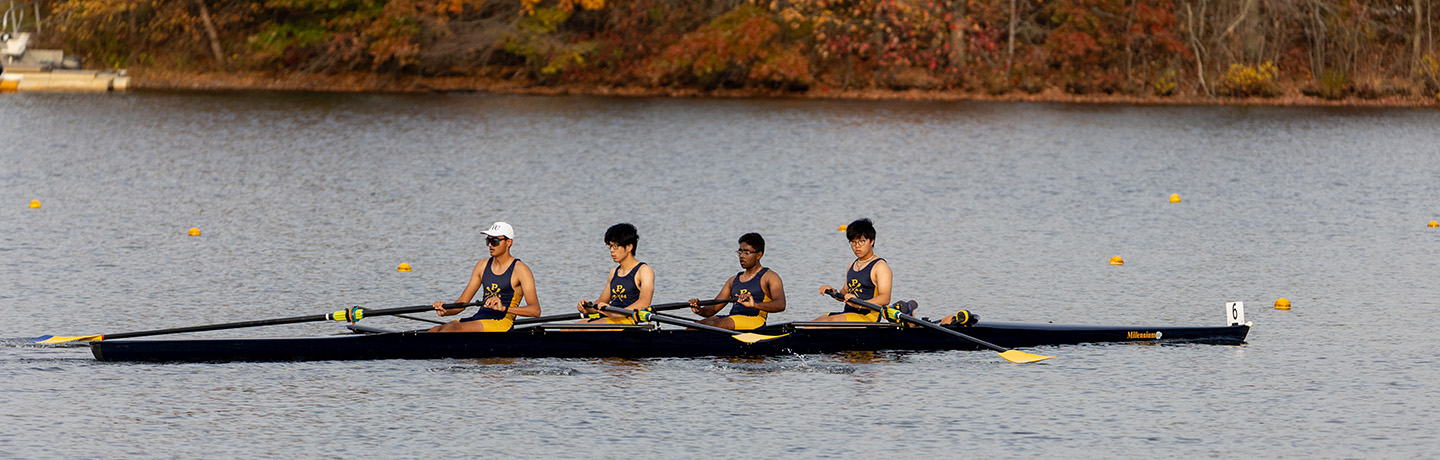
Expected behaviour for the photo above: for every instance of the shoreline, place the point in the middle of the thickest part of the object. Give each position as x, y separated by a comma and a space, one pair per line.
364, 82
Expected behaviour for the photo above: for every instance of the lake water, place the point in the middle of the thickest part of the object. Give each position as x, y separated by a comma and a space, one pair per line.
308, 202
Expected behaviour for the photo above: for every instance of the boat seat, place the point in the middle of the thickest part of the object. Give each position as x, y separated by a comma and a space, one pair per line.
15, 45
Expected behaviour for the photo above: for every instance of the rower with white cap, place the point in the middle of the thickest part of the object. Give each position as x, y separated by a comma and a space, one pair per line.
505, 281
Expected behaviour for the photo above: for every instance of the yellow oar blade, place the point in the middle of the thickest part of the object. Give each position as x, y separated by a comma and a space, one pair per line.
55, 339
1017, 356
750, 337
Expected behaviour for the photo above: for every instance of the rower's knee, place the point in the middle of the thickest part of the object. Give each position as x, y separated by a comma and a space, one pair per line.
721, 322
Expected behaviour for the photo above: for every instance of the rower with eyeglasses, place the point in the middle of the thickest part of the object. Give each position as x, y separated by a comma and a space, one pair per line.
868, 277
631, 284
758, 291
505, 281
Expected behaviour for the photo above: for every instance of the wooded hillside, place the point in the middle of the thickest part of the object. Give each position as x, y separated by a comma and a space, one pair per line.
1331, 49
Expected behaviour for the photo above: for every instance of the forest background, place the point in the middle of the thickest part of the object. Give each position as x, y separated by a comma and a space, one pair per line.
1296, 51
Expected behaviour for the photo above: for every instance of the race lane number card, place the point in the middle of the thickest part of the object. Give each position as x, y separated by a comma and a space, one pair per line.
1235, 313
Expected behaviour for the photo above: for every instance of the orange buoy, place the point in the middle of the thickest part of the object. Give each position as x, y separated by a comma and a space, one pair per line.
1433, 224
34, 204
842, 228
404, 267
1282, 304
194, 231
1117, 261
1174, 198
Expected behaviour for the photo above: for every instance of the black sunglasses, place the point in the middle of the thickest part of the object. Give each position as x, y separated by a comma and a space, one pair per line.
494, 240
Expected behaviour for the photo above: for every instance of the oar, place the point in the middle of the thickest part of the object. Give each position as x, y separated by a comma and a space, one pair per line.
351, 314
1014, 356
642, 315
417, 318
659, 307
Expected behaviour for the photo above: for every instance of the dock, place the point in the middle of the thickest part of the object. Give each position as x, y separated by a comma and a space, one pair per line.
23, 68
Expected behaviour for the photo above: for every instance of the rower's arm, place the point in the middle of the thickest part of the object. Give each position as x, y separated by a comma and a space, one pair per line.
471, 287
774, 288
645, 280
526, 281
603, 300
724, 294
882, 277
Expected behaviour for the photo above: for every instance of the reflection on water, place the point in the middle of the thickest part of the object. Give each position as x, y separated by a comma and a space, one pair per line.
308, 202
506, 368
770, 364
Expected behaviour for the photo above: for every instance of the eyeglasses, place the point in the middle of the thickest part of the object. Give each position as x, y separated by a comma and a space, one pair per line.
494, 240
859, 242
613, 246
746, 252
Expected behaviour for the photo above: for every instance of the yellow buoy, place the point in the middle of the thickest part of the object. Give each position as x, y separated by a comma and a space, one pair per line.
1433, 224
404, 267
842, 228
35, 204
1174, 198
1117, 261
1282, 304
194, 231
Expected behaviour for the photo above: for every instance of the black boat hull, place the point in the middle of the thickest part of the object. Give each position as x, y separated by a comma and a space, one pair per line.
543, 343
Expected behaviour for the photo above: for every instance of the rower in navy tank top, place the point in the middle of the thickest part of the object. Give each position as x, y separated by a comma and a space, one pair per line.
757, 291
747, 288
504, 295
623, 290
868, 277
858, 282
630, 285
497, 286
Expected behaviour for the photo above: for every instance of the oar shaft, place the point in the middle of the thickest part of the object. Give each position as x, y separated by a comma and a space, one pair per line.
922, 322
277, 321
657, 307
947, 330
676, 322
216, 327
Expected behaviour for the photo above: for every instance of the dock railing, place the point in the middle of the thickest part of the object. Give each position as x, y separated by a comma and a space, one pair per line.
21, 17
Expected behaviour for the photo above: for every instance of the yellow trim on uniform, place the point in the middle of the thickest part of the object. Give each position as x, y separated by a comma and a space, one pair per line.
872, 317
498, 325
745, 323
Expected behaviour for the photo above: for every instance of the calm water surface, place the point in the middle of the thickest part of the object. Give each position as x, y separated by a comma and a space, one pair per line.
307, 202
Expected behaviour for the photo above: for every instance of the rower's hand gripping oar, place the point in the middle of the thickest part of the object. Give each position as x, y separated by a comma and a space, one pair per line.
658, 307
351, 314
1014, 356
646, 315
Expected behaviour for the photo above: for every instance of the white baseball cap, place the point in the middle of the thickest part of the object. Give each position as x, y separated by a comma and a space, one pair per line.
501, 229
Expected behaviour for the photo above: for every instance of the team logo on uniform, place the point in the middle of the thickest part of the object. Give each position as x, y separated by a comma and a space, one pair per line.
493, 290
854, 287
743, 293
617, 293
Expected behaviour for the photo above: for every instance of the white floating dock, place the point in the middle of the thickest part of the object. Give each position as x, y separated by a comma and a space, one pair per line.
63, 80
27, 69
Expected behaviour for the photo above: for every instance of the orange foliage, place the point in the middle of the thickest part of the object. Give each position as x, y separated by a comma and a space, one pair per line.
737, 49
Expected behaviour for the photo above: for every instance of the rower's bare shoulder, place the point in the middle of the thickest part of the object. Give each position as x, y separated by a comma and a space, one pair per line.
771, 276
882, 264
521, 266
523, 269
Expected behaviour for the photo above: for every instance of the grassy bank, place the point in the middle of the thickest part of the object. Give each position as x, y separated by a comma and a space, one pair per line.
371, 82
